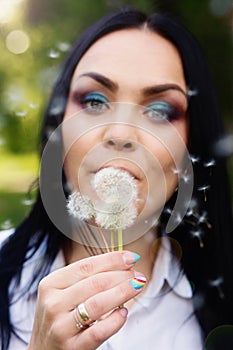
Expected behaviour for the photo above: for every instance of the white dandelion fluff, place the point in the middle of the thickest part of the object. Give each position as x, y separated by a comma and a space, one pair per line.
114, 185
114, 209
80, 206
115, 217
117, 191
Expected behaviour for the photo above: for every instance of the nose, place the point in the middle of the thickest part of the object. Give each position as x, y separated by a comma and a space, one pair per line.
120, 138
120, 145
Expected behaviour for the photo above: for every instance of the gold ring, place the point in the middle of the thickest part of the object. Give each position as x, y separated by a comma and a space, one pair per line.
83, 313
78, 324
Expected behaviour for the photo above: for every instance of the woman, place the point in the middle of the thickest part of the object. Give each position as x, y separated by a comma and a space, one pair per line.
126, 59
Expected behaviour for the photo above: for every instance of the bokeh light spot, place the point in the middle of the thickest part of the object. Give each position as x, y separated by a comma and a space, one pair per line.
220, 338
17, 42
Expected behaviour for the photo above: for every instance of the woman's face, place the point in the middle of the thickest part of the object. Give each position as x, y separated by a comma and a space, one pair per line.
128, 104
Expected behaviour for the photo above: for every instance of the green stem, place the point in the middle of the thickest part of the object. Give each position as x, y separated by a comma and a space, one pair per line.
120, 239
120, 245
112, 240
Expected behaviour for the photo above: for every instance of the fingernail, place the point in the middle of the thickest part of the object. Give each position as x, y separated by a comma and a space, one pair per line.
138, 282
131, 258
123, 311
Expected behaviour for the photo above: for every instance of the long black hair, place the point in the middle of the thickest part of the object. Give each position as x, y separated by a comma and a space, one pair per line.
208, 265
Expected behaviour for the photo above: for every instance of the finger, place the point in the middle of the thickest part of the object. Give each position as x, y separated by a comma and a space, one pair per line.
102, 303
95, 335
77, 271
83, 290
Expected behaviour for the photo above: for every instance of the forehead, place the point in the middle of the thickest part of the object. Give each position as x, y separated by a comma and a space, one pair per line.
140, 54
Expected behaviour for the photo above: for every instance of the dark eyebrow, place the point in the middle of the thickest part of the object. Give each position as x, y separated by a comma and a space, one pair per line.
111, 85
101, 79
161, 88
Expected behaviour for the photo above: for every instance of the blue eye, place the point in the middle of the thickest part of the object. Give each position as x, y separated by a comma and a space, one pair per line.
94, 102
161, 111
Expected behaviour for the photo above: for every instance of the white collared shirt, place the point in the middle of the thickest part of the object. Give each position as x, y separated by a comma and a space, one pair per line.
161, 319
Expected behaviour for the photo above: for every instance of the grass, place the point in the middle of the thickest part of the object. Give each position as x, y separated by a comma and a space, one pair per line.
17, 172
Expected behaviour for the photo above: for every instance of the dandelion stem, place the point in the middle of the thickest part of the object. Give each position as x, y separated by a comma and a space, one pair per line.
120, 239
104, 239
112, 240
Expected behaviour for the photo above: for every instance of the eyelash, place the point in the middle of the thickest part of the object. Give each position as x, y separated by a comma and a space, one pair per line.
86, 102
162, 111
158, 111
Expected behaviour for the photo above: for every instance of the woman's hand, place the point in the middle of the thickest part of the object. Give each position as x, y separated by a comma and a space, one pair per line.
101, 283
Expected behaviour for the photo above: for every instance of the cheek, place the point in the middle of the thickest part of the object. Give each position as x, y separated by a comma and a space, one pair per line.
169, 151
74, 158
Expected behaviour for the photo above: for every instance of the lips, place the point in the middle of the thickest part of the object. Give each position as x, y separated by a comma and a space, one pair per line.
133, 171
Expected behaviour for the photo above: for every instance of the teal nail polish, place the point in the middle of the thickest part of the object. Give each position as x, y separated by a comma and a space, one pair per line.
131, 258
137, 257
138, 282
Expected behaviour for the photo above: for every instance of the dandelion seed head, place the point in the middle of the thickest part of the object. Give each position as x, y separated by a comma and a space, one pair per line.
114, 217
115, 185
80, 206
117, 191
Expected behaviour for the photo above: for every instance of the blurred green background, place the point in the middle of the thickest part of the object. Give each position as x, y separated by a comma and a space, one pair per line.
35, 36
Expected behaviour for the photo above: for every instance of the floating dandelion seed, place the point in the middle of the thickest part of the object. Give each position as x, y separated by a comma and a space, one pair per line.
192, 92
186, 178
178, 218
203, 219
210, 163
176, 171
28, 201
21, 113
167, 211
203, 189
194, 159
33, 105
198, 234
53, 54
63, 46
217, 283
192, 208
6, 225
